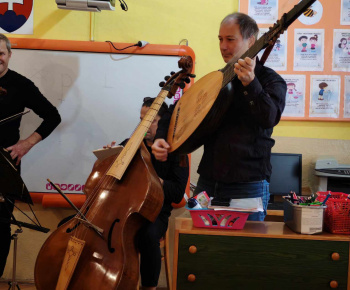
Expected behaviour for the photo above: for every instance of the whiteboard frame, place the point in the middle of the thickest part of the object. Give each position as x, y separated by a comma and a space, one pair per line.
99, 47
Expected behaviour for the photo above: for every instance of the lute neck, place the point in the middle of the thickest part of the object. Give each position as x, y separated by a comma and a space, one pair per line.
281, 25
228, 70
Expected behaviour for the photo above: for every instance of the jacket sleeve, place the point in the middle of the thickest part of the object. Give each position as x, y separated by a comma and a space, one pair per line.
266, 102
35, 101
163, 123
175, 186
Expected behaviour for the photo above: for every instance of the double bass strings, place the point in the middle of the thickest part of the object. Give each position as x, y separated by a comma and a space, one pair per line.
109, 181
80, 232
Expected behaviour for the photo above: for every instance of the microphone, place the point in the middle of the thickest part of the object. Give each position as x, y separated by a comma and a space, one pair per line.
142, 43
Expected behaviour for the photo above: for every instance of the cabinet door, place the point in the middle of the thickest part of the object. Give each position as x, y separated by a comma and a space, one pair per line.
224, 262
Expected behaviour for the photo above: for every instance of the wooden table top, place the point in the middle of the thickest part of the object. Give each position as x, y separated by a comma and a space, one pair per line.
255, 229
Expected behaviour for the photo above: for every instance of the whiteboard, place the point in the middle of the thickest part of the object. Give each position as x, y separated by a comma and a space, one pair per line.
98, 95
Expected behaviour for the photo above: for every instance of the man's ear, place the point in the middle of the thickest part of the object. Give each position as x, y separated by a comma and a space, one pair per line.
251, 40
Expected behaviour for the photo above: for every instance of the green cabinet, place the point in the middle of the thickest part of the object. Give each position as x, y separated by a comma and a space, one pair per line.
220, 262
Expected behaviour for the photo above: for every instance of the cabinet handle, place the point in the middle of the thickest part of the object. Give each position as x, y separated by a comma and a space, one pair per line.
191, 278
335, 256
192, 249
333, 284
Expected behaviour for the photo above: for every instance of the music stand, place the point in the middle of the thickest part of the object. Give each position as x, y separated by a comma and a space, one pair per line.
13, 188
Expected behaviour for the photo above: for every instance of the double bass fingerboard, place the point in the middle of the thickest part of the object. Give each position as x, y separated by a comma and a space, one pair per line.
122, 162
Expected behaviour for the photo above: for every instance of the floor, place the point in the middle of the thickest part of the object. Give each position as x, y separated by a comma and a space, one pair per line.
22, 286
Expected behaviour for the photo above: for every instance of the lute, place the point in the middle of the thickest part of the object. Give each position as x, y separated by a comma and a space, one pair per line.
200, 110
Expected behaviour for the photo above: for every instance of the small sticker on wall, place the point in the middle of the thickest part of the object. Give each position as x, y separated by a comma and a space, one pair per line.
312, 15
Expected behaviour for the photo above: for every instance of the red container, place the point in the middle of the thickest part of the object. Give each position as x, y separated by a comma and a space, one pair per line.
218, 219
337, 213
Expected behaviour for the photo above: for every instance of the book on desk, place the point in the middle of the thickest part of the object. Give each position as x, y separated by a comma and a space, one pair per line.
240, 204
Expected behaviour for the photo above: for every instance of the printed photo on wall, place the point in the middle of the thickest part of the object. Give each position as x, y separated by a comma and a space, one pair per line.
263, 11
312, 15
347, 97
324, 96
345, 12
277, 59
308, 49
341, 50
295, 96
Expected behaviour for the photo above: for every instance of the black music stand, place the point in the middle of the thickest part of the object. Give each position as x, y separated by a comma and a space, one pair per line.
13, 188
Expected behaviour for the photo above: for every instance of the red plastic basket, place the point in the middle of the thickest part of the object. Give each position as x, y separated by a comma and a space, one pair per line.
337, 213
218, 219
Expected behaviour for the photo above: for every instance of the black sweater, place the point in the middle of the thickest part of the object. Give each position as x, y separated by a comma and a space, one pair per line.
22, 93
174, 180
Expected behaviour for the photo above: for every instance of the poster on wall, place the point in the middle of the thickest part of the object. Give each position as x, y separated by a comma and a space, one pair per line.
312, 15
277, 59
295, 96
324, 96
263, 11
16, 16
347, 97
345, 12
308, 49
341, 50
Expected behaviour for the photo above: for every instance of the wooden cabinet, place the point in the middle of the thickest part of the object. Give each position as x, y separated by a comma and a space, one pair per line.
264, 255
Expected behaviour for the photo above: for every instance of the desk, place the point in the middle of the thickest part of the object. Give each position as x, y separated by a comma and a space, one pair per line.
264, 255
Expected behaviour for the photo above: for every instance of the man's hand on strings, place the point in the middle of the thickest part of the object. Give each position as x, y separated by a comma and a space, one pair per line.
244, 69
160, 149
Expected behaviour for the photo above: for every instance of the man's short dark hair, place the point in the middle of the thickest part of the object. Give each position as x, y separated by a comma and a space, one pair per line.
7, 41
247, 25
148, 101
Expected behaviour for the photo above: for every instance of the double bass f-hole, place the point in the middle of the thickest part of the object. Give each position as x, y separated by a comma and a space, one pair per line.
112, 250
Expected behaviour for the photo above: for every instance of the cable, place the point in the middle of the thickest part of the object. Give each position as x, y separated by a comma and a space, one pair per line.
140, 43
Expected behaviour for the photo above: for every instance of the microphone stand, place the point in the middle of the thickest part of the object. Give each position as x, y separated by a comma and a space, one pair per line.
13, 284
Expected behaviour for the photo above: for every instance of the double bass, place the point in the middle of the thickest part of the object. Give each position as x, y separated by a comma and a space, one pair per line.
200, 111
96, 249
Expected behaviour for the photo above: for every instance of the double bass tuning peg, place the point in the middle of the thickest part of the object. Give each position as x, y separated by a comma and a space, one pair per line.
191, 75
167, 77
181, 85
161, 84
187, 80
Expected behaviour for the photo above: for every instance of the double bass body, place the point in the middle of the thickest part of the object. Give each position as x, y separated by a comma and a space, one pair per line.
117, 207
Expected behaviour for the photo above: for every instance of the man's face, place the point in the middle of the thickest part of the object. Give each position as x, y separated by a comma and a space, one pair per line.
4, 58
151, 133
232, 42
